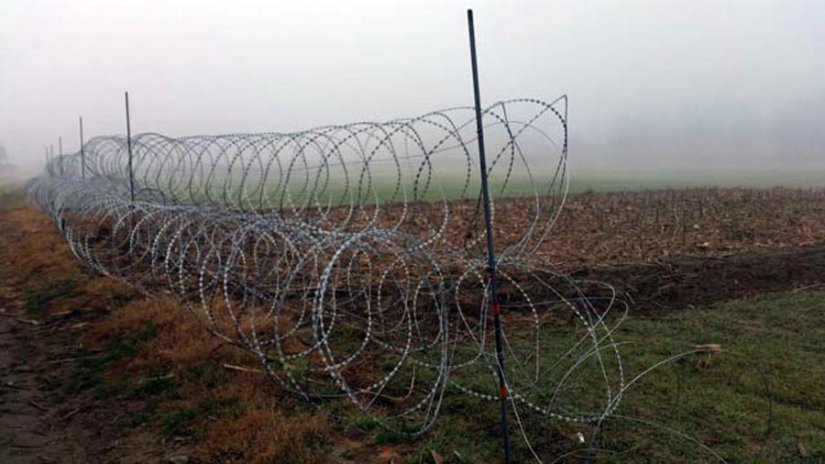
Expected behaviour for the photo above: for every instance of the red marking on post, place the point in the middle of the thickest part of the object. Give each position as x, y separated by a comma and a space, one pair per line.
496, 308
502, 392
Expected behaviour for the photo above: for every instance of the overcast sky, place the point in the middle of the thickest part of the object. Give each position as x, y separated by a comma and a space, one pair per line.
659, 84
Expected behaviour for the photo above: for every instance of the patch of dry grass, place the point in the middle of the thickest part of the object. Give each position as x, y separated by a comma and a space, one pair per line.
267, 436
228, 415
173, 364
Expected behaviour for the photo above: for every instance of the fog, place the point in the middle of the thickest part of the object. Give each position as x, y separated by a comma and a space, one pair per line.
654, 86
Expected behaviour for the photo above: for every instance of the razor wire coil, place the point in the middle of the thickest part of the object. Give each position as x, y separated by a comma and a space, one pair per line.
349, 259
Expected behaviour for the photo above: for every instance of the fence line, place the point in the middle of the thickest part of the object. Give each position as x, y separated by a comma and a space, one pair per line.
350, 279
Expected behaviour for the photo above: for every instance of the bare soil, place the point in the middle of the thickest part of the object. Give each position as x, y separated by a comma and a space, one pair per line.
688, 282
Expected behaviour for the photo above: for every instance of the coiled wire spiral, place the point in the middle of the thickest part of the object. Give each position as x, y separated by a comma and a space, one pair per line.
350, 259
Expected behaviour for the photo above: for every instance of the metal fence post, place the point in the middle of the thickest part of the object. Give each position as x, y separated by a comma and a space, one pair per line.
129, 147
82, 153
491, 252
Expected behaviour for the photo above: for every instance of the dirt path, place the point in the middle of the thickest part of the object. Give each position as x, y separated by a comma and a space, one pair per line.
31, 429
41, 323
34, 423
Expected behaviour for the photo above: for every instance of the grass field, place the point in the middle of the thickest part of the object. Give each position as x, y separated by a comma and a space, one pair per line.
601, 180
148, 381
756, 395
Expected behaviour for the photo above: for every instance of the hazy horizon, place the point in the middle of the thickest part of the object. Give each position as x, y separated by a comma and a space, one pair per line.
654, 86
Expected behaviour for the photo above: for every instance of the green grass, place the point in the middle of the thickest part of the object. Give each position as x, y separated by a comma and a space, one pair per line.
91, 368
757, 400
761, 399
607, 180
206, 374
163, 386
447, 181
37, 299
179, 422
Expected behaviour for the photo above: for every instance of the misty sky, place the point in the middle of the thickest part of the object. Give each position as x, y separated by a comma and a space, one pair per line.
652, 84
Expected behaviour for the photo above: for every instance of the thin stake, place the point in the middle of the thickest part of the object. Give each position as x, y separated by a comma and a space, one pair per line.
60, 152
82, 153
129, 146
491, 252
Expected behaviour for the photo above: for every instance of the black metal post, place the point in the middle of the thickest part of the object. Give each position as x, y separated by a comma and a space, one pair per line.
60, 152
491, 252
129, 147
82, 153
